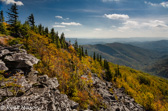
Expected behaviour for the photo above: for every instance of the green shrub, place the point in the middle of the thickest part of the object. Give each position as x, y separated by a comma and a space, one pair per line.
14, 41
143, 80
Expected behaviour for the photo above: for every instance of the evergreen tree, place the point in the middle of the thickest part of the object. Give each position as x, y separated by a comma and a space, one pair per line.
2, 25
97, 57
58, 44
76, 45
86, 53
80, 52
108, 71
83, 54
105, 63
62, 37
40, 29
52, 34
13, 19
43, 30
100, 60
57, 41
1, 16
31, 21
62, 40
46, 31
94, 56
117, 72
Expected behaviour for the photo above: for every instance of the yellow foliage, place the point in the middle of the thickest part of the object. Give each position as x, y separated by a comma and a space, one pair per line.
147, 90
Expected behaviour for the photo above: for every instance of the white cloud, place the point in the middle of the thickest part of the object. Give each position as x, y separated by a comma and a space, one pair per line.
110, 0
59, 17
116, 16
59, 26
130, 23
19, 3
98, 29
163, 4
152, 4
135, 25
71, 23
155, 24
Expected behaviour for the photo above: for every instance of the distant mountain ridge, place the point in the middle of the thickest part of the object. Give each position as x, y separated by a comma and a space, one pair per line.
160, 46
124, 54
94, 41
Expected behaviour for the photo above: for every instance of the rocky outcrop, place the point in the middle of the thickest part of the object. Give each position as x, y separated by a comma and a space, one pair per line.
12, 58
41, 96
28, 92
114, 99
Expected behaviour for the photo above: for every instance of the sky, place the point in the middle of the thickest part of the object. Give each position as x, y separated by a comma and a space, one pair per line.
97, 18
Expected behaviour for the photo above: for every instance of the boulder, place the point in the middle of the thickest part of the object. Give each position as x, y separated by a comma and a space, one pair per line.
12, 58
3, 66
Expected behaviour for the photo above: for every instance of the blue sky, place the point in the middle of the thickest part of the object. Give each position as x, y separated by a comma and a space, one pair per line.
97, 18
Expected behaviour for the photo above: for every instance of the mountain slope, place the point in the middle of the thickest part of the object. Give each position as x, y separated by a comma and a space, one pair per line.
84, 80
160, 67
159, 46
124, 54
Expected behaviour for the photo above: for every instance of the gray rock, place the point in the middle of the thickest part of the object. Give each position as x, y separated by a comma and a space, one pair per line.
4, 52
3, 66
23, 60
32, 77
5, 93
46, 98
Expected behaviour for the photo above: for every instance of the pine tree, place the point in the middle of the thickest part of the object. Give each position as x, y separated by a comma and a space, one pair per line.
94, 56
31, 21
108, 71
1, 16
105, 64
46, 31
52, 34
97, 57
62, 37
62, 40
57, 41
83, 54
100, 60
80, 52
13, 19
40, 29
86, 53
2, 25
117, 72
76, 45
58, 44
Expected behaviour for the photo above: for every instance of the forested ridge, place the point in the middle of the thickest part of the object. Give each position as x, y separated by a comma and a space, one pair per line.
69, 62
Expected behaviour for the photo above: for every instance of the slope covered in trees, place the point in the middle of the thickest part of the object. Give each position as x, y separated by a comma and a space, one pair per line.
124, 54
70, 64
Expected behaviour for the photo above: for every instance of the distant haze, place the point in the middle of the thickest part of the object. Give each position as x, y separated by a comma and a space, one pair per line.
84, 41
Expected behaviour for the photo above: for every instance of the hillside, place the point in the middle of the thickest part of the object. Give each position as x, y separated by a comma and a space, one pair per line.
79, 79
159, 46
124, 54
160, 67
